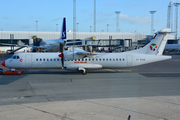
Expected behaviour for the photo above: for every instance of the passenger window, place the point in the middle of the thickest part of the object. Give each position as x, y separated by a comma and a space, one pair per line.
44, 59
47, 59
17, 57
82, 59
92, 59
106, 59
123, 59
119, 59
36, 59
113, 59
40, 59
109, 59
57, 59
96, 59
103, 59
99, 59
50, 59
85, 59
54, 59
89, 59
116, 59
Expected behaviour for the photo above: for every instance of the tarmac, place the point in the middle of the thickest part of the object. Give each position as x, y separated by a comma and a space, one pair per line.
148, 92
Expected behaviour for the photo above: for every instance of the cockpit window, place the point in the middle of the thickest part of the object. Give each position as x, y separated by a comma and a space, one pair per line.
14, 57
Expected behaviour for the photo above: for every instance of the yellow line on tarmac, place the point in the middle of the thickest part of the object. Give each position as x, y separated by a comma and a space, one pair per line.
110, 70
125, 70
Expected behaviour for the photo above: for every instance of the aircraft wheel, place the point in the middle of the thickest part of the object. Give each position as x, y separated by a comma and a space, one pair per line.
84, 72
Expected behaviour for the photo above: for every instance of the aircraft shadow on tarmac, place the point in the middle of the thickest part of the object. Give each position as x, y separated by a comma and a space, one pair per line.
7, 79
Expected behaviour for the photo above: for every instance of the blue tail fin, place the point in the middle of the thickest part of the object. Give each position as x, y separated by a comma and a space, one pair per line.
63, 33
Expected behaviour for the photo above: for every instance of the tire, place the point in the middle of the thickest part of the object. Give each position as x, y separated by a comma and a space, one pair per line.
84, 72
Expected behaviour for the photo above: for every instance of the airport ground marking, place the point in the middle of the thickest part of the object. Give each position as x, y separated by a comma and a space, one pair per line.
125, 70
110, 70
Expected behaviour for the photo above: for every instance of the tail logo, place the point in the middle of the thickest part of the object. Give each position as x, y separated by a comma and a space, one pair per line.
153, 46
63, 35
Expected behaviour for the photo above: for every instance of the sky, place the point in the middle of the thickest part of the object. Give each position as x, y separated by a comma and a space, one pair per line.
21, 15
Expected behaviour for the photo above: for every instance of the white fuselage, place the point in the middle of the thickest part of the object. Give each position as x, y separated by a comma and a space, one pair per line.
101, 60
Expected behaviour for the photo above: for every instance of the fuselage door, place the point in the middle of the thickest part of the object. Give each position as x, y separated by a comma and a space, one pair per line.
129, 60
28, 60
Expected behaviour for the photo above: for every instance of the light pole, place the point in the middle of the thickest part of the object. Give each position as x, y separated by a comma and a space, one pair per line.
56, 27
152, 21
36, 25
176, 19
117, 20
77, 26
107, 27
94, 15
90, 28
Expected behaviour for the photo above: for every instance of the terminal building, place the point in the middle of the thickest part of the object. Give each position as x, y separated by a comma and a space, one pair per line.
103, 39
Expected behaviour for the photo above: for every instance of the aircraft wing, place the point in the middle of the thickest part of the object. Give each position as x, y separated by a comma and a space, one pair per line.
85, 53
82, 45
5, 44
72, 42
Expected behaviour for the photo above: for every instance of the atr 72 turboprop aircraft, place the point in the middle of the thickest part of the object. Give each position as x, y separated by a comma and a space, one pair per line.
84, 61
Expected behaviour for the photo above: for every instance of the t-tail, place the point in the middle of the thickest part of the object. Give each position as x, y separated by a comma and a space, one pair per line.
63, 32
157, 44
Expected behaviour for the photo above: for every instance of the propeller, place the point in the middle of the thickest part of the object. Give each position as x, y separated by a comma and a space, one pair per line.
62, 54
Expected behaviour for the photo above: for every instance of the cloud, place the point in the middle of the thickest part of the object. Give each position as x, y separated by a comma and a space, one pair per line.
175, 1
141, 20
111, 5
57, 19
5, 18
102, 20
31, 17
83, 11
28, 26
87, 20
135, 5
110, 14
97, 14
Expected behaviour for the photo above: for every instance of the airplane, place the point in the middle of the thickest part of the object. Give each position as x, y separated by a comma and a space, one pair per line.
50, 45
172, 47
85, 61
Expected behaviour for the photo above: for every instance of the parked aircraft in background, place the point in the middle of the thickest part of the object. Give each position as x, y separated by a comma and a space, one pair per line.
51, 45
172, 47
86, 61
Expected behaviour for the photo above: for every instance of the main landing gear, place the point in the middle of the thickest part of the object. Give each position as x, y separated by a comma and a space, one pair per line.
82, 70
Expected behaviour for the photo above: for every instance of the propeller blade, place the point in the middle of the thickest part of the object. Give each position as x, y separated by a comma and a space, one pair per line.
62, 54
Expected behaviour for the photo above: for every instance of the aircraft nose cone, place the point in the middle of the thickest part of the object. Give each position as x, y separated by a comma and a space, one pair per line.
3, 63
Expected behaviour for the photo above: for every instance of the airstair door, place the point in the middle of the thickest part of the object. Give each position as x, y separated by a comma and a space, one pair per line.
28, 60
